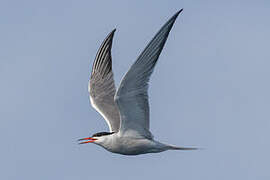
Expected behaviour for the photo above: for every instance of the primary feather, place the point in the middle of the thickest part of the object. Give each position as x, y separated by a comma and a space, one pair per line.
132, 94
101, 85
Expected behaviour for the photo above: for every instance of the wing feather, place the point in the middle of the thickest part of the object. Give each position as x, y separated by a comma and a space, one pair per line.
101, 85
132, 95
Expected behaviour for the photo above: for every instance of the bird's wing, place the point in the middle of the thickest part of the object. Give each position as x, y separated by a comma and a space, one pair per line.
132, 96
101, 85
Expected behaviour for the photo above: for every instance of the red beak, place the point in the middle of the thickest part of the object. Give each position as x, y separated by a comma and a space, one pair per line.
89, 138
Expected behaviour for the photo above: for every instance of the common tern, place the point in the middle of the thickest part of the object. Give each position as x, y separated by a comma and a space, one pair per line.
126, 110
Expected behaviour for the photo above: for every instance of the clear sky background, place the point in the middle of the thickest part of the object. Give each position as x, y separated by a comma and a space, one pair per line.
210, 88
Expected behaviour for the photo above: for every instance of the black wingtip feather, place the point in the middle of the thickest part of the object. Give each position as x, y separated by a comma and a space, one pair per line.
102, 62
111, 34
173, 18
177, 13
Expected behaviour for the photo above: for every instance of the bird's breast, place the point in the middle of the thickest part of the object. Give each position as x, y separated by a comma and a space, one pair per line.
130, 146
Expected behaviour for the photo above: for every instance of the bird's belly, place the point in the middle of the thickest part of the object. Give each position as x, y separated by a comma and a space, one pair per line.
130, 146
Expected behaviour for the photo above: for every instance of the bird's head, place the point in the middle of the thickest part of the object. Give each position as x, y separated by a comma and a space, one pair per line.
97, 138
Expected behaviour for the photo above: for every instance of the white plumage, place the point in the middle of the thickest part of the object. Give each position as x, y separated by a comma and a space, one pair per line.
126, 110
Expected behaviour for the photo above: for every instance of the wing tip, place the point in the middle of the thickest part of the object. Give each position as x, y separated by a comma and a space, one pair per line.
109, 36
104, 48
112, 33
178, 12
173, 18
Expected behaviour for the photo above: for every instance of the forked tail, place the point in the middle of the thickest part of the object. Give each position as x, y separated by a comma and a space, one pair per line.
172, 147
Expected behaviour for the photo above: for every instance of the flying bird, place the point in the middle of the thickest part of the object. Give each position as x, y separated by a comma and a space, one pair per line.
126, 110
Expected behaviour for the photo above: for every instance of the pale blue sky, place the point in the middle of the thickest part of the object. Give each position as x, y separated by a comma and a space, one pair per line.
210, 88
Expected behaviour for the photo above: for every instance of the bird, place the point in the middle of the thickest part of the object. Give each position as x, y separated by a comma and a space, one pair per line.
126, 109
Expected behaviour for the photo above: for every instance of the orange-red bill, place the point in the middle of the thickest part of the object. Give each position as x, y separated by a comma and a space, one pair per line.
89, 138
